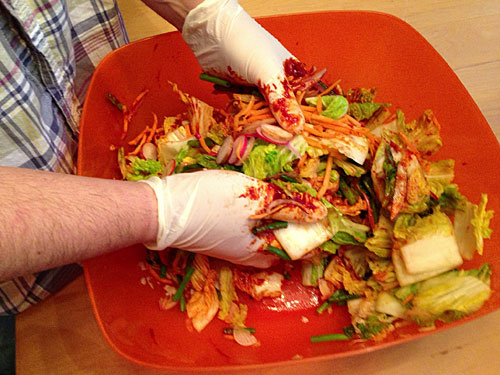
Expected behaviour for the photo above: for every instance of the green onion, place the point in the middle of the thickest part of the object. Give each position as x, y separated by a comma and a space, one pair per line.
340, 297
182, 303
349, 331
185, 279
193, 143
330, 337
323, 86
329, 246
280, 253
196, 143
323, 307
230, 167
163, 271
288, 178
347, 192
191, 167
216, 80
114, 100
367, 187
270, 226
344, 238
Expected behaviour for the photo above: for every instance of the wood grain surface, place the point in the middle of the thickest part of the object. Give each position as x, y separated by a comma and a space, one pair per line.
61, 336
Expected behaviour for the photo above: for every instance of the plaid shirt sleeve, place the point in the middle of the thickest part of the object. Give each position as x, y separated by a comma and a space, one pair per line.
48, 52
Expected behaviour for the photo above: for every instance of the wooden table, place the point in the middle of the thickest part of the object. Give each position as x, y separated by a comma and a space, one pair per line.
60, 336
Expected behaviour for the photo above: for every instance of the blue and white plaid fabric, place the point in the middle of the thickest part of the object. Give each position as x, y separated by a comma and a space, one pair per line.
48, 52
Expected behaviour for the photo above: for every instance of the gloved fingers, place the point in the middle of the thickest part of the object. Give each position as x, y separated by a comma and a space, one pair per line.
284, 106
297, 208
228, 43
213, 212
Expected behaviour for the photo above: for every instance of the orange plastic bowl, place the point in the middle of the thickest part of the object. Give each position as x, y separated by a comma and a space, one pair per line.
364, 49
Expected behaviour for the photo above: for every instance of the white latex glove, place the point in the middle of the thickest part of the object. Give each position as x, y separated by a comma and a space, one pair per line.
228, 43
208, 212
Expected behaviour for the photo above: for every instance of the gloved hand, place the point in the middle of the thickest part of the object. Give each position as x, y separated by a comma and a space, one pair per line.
228, 43
209, 212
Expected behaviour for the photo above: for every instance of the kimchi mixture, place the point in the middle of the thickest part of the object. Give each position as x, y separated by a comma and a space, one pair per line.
397, 229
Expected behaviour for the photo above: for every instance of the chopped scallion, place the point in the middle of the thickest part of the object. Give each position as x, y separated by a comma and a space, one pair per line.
330, 337
185, 279
216, 80
280, 253
163, 271
270, 226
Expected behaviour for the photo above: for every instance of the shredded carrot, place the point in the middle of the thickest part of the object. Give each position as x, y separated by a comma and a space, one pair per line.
353, 121
204, 145
260, 104
410, 145
128, 114
335, 124
319, 104
344, 119
302, 161
407, 299
313, 142
278, 208
256, 118
188, 130
139, 146
390, 119
300, 96
324, 119
330, 88
137, 139
236, 125
258, 112
319, 133
326, 179
238, 151
245, 109
138, 100
153, 130
125, 125
157, 277
336, 154
338, 129
307, 108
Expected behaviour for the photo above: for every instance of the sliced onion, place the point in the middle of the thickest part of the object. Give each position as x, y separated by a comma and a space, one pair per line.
225, 150
274, 134
270, 120
149, 151
293, 150
251, 141
317, 76
243, 336
310, 81
280, 202
169, 168
239, 147
251, 128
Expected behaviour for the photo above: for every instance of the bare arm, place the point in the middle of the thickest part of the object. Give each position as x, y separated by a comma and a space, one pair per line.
50, 219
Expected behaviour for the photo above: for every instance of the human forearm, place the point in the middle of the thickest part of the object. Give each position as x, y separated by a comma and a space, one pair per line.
51, 219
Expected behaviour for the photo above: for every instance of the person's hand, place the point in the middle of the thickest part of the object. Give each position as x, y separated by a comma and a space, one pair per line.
228, 43
212, 212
